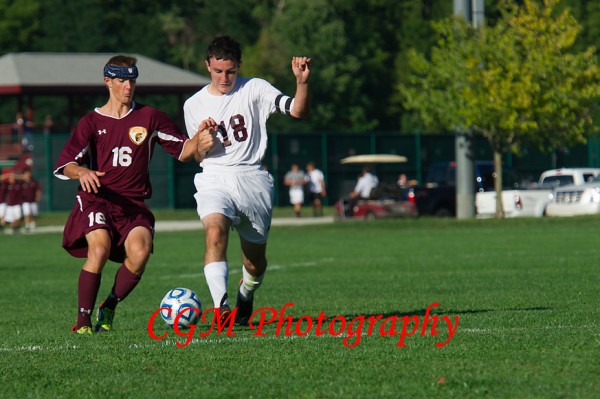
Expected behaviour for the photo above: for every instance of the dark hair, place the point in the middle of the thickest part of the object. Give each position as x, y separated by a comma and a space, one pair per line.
122, 60
224, 48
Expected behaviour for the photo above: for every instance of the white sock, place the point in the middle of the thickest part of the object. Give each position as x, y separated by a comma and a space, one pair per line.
216, 274
250, 284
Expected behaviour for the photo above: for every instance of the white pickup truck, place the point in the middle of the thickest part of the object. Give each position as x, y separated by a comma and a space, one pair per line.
576, 200
533, 201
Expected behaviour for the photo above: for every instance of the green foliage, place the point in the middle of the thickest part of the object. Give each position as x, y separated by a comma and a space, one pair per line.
19, 21
518, 82
100, 26
359, 57
189, 27
515, 83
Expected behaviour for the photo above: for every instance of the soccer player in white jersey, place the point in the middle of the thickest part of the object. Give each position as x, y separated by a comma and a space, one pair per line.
233, 189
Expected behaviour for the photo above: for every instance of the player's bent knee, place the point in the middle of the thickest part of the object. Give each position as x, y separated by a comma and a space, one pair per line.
98, 255
139, 255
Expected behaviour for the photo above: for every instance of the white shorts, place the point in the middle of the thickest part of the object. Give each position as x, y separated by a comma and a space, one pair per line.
12, 213
30, 209
244, 197
297, 195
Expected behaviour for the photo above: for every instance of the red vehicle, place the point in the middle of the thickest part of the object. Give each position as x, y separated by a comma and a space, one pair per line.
385, 201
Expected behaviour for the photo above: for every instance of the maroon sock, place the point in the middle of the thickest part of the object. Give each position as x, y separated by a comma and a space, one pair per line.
87, 291
125, 282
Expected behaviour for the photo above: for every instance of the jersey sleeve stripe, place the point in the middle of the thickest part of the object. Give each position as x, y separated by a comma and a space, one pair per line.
168, 137
283, 104
58, 172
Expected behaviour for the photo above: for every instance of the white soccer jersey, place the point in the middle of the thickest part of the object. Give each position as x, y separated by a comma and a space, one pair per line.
242, 118
315, 177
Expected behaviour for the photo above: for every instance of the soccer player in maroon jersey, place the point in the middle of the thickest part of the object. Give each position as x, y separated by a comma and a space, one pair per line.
109, 153
14, 202
3, 186
31, 197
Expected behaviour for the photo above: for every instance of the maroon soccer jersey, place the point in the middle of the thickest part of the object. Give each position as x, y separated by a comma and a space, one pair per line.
30, 189
2, 192
122, 148
14, 193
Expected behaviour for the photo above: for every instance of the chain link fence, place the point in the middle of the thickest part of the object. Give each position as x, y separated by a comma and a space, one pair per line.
173, 186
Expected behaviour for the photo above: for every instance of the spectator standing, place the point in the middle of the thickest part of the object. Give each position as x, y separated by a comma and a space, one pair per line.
17, 128
48, 124
28, 126
316, 188
295, 179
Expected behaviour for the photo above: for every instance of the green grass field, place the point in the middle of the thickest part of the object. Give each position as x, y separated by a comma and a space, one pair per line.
526, 292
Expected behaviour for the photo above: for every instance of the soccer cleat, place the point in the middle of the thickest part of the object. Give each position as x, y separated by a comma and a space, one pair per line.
224, 310
83, 330
224, 313
244, 308
105, 319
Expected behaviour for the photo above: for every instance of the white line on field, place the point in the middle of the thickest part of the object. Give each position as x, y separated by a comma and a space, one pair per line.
237, 270
150, 343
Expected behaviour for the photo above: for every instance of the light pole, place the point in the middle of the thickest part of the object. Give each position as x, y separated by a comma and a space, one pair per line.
472, 10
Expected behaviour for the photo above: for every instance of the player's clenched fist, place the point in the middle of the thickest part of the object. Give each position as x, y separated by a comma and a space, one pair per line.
206, 140
301, 68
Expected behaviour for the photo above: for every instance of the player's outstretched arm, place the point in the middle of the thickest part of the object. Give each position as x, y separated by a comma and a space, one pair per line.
301, 70
89, 179
198, 146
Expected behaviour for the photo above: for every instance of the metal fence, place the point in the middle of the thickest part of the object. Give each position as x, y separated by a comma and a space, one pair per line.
173, 186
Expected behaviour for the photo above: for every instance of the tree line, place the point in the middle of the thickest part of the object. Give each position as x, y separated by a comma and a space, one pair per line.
360, 48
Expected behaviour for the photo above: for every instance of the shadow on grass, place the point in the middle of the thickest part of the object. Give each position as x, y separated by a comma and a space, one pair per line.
435, 311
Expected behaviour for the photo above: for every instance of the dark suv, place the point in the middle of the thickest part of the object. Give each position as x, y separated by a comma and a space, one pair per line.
437, 197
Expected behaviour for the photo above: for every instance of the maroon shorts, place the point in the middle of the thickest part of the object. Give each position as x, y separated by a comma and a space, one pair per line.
117, 214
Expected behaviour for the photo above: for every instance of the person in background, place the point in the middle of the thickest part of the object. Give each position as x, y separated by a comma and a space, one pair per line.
295, 179
365, 183
14, 203
316, 188
28, 126
32, 193
3, 189
402, 181
17, 128
48, 124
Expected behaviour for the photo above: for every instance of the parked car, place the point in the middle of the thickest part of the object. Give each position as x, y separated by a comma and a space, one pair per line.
387, 200
573, 200
437, 196
533, 200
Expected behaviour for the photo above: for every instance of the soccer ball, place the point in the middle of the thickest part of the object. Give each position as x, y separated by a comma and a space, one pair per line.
183, 302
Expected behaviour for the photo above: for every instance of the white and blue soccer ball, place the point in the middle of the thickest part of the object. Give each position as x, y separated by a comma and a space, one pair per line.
183, 302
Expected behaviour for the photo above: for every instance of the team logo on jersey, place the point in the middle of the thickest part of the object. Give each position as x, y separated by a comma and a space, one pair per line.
138, 134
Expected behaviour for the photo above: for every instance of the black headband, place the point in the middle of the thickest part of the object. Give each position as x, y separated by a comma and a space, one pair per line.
121, 72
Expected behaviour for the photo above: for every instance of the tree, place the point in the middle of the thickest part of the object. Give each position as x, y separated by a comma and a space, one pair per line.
515, 83
19, 21
314, 29
189, 26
